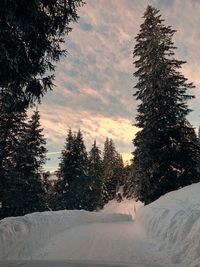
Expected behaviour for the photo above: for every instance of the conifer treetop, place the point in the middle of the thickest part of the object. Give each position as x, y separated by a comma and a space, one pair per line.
166, 149
157, 70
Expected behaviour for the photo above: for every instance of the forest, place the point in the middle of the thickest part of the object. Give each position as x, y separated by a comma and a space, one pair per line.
166, 148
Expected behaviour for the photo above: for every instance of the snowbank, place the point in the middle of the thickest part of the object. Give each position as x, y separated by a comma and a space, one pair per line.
174, 221
20, 237
169, 226
127, 206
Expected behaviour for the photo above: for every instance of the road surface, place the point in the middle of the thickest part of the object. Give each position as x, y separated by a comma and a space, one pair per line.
119, 242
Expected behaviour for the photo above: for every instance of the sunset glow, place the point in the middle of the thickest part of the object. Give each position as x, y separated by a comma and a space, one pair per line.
94, 83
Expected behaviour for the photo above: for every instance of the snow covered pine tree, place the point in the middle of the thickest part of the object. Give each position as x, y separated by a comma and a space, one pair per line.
167, 149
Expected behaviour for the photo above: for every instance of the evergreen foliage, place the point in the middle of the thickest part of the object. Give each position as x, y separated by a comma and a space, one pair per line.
34, 157
31, 34
129, 184
167, 151
119, 169
49, 196
73, 187
12, 127
22, 155
95, 172
112, 170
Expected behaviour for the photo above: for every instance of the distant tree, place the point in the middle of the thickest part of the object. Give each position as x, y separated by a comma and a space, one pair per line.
31, 34
167, 152
112, 170
129, 184
119, 169
95, 173
49, 196
74, 184
65, 173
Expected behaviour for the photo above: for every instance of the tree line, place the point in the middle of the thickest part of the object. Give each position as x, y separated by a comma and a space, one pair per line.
32, 33
85, 180
167, 150
31, 37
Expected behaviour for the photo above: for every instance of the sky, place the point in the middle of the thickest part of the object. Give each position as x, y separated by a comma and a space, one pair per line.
94, 83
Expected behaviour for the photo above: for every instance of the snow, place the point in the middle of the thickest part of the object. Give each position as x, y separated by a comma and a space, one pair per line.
164, 233
174, 221
52, 177
69, 263
127, 206
20, 237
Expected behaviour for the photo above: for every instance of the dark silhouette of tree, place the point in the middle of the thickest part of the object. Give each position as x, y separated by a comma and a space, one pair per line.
167, 151
95, 173
112, 173
73, 187
31, 34
22, 156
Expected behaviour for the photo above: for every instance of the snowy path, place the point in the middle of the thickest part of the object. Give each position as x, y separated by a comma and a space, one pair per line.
165, 233
119, 242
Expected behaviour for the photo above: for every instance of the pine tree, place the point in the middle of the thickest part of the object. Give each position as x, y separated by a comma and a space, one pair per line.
22, 157
129, 185
119, 169
65, 174
36, 30
109, 175
166, 153
12, 125
48, 189
74, 183
33, 158
95, 172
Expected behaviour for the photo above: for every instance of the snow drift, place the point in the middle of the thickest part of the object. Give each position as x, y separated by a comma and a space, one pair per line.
174, 221
20, 237
127, 206
169, 226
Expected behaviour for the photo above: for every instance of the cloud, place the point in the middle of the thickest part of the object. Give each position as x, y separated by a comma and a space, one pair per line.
94, 126
94, 83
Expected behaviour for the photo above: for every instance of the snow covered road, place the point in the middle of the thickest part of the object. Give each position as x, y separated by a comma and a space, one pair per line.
119, 242
52, 263
165, 233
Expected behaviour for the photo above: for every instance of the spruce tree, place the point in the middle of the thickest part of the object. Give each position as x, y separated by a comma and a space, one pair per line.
33, 159
49, 192
119, 169
74, 184
167, 152
109, 174
31, 34
21, 160
65, 174
95, 172
12, 126
129, 185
